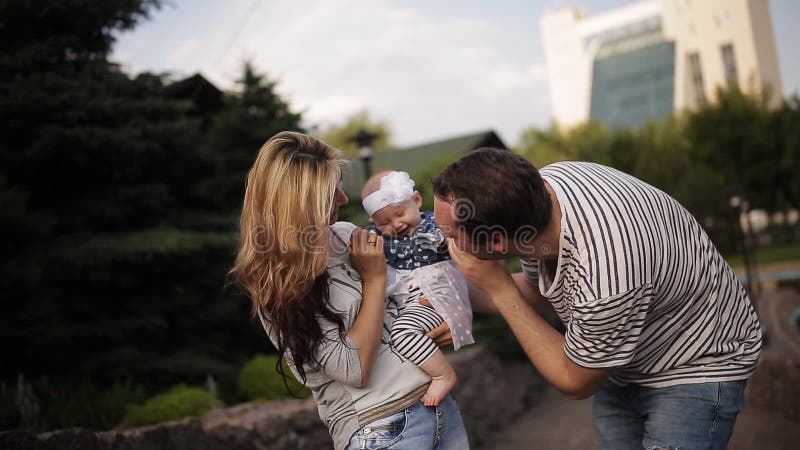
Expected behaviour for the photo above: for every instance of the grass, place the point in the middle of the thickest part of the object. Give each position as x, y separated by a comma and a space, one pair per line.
768, 255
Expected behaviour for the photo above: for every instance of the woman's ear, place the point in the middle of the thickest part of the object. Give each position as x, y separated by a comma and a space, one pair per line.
417, 199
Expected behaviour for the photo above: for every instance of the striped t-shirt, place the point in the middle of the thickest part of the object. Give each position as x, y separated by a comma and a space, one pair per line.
639, 285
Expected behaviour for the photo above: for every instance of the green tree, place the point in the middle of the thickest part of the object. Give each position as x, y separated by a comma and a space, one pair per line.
705, 151
424, 178
542, 147
787, 132
590, 141
41, 35
666, 160
737, 137
112, 266
253, 113
341, 136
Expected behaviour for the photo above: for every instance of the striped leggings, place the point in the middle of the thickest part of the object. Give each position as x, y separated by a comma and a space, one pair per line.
408, 332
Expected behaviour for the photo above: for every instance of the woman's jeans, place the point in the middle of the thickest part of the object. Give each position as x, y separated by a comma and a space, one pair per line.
417, 427
685, 417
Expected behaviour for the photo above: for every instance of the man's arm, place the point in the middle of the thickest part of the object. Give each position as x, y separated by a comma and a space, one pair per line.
543, 345
481, 302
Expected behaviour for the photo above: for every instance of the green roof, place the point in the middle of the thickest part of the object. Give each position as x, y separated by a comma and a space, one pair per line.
416, 159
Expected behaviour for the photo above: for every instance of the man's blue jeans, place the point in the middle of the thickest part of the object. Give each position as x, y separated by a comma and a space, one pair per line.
417, 427
685, 417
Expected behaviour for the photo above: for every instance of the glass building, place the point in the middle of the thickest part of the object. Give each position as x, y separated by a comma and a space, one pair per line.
633, 80
649, 58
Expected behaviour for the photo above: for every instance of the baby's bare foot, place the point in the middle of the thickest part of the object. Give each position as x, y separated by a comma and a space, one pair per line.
439, 388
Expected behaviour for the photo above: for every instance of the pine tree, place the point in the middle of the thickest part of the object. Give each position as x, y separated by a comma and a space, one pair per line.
253, 113
110, 267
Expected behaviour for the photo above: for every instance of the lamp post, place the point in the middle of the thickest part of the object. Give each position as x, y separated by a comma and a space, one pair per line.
364, 140
741, 207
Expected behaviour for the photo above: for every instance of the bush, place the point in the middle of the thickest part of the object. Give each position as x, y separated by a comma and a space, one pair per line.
179, 402
493, 332
20, 408
83, 404
9, 412
259, 380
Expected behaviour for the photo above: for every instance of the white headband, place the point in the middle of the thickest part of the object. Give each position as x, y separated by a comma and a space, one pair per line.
396, 187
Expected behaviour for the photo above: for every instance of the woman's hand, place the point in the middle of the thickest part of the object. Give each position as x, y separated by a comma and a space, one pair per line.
366, 255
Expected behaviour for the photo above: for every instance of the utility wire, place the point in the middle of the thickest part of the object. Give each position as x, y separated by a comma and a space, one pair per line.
237, 31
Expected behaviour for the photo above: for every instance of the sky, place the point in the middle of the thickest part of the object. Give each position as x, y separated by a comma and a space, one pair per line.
430, 69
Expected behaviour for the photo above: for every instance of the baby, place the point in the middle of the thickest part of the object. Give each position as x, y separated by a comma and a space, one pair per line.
418, 267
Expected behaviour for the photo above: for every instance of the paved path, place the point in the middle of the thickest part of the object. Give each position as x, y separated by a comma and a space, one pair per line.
556, 423
771, 268
560, 424
771, 274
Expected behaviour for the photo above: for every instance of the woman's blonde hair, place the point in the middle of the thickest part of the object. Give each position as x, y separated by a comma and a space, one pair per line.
283, 249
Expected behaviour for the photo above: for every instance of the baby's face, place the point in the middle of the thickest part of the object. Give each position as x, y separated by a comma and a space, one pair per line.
401, 219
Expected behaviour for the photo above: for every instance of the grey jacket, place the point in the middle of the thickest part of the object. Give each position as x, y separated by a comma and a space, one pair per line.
344, 404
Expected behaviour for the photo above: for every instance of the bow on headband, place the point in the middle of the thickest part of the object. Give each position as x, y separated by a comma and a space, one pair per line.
396, 187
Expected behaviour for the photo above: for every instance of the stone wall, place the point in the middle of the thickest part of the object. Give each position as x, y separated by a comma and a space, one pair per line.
490, 393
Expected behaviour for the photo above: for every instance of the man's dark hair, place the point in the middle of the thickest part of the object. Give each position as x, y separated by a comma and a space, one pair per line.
494, 188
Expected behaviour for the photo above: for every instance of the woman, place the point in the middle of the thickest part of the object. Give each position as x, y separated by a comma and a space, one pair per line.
318, 288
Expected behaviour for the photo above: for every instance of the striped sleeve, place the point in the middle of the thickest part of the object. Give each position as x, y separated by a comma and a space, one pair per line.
605, 332
530, 267
641, 287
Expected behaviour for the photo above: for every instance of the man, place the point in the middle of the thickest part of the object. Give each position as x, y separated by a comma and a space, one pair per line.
658, 328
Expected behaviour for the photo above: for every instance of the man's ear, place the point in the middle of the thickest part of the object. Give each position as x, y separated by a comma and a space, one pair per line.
499, 243
417, 199
370, 220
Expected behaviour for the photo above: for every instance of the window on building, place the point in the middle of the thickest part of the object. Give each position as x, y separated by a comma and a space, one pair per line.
634, 85
729, 64
697, 78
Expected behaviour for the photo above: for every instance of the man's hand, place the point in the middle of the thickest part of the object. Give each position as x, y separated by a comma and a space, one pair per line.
441, 335
486, 274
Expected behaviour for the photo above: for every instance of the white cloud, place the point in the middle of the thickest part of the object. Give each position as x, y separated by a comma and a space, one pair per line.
185, 53
427, 76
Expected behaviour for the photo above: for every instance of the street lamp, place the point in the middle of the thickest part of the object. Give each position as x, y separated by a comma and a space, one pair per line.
741, 206
364, 140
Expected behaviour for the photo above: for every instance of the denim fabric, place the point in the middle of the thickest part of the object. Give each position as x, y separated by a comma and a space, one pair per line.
685, 417
417, 427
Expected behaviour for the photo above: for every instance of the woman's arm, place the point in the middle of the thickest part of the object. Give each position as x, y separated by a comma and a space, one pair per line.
366, 256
